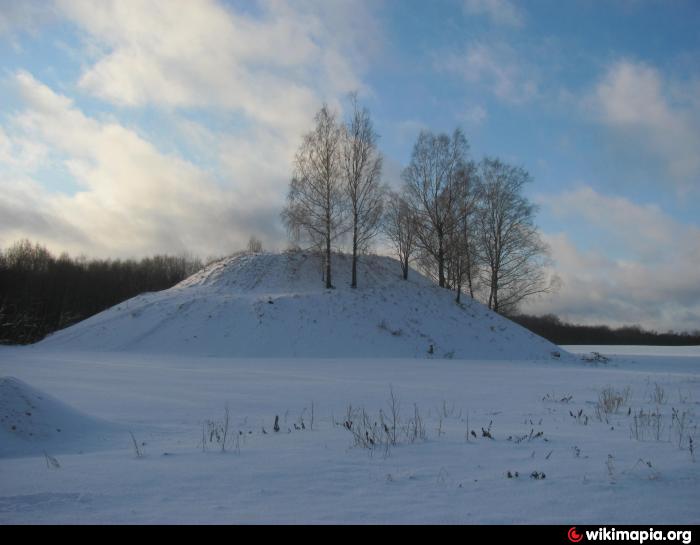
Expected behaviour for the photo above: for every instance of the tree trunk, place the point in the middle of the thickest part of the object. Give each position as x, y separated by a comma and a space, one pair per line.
494, 290
469, 265
441, 264
329, 284
353, 284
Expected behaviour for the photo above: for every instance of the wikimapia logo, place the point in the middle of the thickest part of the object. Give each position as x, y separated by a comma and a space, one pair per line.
637, 536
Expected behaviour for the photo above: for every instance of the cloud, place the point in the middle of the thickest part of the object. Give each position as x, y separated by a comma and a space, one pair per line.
501, 12
24, 16
474, 115
132, 198
642, 229
21, 152
657, 284
496, 67
27, 210
660, 117
275, 67
259, 70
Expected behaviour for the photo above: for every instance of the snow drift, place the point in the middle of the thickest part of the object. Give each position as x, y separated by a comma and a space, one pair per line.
33, 422
275, 305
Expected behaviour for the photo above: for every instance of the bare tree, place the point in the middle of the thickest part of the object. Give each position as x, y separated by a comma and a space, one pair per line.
315, 202
462, 239
362, 170
430, 178
400, 227
255, 245
512, 251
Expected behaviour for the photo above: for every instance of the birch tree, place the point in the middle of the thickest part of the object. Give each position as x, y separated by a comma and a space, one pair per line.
430, 178
462, 238
361, 165
315, 207
400, 228
512, 251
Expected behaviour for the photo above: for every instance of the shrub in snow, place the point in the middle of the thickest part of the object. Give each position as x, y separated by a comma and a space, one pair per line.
610, 400
215, 432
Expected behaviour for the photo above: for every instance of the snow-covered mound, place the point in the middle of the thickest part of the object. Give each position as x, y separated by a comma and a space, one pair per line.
33, 422
275, 305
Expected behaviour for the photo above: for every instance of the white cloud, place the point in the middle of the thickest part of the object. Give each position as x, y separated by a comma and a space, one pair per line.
502, 12
643, 229
132, 198
275, 67
24, 16
496, 67
27, 210
259, 156
656, 284
265, 66
661, 117
21, 152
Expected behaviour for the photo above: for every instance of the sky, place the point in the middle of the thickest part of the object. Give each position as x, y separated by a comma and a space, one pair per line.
134, 127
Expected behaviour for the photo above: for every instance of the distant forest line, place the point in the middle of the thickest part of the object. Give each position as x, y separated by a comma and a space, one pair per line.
552, 328
41, 293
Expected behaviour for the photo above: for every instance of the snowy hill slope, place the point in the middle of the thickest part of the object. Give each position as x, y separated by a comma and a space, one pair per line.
33, 422
275, 305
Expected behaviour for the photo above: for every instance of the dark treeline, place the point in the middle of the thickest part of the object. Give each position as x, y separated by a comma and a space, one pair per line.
552, 328
41, 293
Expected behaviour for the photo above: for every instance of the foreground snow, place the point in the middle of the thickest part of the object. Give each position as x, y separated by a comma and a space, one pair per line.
594, 472
33, 421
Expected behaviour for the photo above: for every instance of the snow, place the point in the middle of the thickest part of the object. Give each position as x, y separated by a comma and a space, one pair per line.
115, 376
626, 350
31, 422
275, 305
318, 476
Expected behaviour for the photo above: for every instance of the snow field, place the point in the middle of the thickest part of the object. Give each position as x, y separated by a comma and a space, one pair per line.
595, 470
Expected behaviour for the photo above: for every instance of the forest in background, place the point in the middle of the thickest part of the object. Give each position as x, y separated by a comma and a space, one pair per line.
41, 293
559, 332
